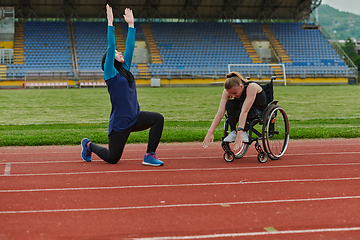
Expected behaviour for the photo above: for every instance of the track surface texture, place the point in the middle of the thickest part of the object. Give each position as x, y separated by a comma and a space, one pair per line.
312, 192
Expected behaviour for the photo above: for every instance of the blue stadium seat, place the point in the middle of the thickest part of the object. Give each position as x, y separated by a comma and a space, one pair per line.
46, 46
306, 47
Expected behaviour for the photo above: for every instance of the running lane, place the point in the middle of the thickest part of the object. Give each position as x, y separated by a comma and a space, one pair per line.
311, 192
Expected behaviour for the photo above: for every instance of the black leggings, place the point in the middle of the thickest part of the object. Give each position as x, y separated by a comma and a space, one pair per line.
234, 106
117, 140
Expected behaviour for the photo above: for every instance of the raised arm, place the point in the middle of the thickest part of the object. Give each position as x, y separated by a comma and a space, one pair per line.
251, 92
209, 138
130, 40
109, 69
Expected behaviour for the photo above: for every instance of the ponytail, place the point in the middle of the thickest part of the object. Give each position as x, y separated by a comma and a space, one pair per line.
234, 79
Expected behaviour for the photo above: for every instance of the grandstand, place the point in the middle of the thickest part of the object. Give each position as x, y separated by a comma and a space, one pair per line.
67, 52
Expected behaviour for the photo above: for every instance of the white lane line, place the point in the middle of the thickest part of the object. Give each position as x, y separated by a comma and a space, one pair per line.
242, 182
181, 205
185, 169
293, 144
185, 158
123, 159
253, 234
7, 169
42, 151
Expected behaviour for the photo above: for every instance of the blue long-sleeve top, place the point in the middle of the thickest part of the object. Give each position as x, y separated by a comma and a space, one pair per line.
125, 107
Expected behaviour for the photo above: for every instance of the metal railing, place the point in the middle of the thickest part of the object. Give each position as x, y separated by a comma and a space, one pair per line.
243, 67
315, 72
6, 56
344, 56
170, 73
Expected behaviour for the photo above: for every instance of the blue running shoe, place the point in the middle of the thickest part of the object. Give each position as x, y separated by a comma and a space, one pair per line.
151, 160
85, 153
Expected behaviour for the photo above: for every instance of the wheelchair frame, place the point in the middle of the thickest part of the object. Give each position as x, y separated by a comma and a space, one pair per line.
267, 120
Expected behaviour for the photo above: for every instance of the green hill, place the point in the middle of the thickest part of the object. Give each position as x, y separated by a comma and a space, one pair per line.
338, 24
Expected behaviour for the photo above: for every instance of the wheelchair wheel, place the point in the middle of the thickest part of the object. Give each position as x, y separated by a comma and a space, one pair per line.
229, 156
275, 132
229, 147
262, 157
240, 153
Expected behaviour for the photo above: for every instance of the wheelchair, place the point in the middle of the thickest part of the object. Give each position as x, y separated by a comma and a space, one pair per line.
271, 127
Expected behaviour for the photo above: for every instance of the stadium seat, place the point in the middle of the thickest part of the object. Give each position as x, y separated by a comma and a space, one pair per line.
46, 47
307, 47
185, 48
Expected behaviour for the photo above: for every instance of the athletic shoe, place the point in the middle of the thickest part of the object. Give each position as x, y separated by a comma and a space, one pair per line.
245, 137
85, 152
151, 160
231, 137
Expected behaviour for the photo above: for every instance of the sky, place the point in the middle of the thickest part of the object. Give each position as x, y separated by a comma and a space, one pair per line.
352, 6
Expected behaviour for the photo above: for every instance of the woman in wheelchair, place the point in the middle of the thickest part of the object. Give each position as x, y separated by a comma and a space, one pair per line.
241, 99
249, 104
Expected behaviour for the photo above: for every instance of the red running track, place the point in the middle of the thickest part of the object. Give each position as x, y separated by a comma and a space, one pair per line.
312, 192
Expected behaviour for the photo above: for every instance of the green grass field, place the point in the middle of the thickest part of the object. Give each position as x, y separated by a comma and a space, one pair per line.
65, 116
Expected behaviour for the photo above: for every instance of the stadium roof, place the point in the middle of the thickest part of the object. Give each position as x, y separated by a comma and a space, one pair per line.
202, 10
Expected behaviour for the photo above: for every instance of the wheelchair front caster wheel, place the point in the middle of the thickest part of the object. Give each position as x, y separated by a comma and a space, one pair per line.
229, 156
262, 157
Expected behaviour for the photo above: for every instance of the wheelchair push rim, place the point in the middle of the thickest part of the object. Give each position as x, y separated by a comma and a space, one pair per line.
240, 153
230, 154
275, 132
